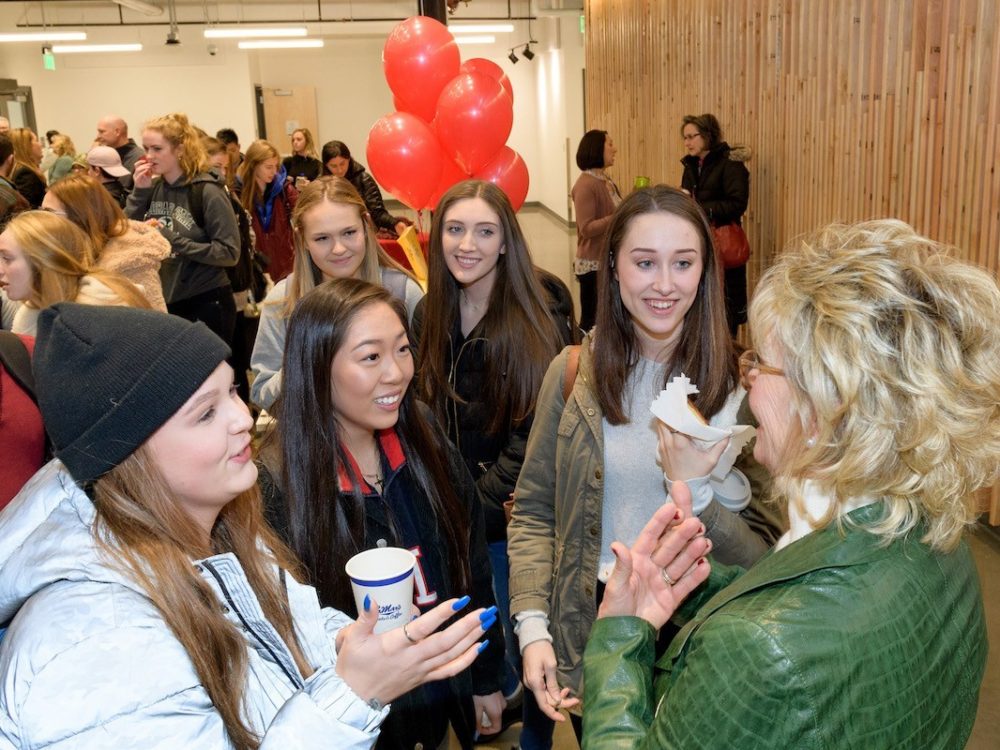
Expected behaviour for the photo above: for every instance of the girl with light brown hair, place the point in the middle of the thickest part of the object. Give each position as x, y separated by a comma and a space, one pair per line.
26, 176
270, 201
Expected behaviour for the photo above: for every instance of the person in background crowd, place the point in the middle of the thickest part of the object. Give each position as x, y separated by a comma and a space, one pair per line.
876, 384
11, 201
4, 126
65, 153
348, 421
304, 163
595, 197
48, 155
46, 259
218, 158
104, 164
487, 330
334, 239
22, 435
112, 131
269, 200
337, 160
146, 596
716, 176
133, 249
195, 284
26, 176
590, 474
228, 136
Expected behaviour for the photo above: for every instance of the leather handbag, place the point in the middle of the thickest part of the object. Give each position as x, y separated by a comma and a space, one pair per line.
732, 245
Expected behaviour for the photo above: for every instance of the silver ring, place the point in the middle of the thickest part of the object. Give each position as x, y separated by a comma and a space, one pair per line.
666, 577
410, 638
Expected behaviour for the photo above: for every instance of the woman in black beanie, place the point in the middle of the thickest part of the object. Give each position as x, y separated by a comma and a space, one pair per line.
147, 603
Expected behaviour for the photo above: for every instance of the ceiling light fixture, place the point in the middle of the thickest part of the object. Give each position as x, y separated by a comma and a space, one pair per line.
70, 49
285, 31
528, 54
147, 9
476, 39
512, 57
281, 44
44, 36
482, 28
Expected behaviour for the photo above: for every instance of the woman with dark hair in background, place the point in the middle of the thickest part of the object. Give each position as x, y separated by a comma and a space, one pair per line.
360, 464
717, 178
303, 166
26, 176
337, 160
270, 201
595, 197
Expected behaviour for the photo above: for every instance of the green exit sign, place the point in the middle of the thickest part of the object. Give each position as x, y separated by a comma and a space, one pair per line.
48, 61
582, 24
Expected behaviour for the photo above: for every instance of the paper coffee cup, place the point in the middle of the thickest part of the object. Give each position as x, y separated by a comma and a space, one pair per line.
386, 575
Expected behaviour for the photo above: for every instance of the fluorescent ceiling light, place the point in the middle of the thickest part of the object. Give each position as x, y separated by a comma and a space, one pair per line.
44, 36
480, 39
483, 28
260, 32
142, 7
281, 44
69, 49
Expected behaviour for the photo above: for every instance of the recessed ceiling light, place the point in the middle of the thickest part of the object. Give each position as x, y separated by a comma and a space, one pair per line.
281, 44
238, 33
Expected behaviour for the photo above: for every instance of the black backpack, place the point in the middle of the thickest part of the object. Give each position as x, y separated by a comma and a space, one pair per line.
248, 273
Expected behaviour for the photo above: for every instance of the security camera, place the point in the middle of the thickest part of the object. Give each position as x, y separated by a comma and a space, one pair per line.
172, 37
213, 50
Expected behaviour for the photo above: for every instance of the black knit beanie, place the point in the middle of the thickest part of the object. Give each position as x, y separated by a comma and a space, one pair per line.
108, 377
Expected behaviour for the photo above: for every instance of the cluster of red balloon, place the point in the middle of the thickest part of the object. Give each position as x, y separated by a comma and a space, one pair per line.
451, 123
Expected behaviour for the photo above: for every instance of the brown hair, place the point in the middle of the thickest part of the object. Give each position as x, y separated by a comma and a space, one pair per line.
178, 131
142, 527
250, 193
310, 149
705, 351
521, 336
708, 128
91, 207
21, 139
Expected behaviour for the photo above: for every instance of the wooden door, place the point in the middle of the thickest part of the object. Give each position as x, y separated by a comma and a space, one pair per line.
286, 109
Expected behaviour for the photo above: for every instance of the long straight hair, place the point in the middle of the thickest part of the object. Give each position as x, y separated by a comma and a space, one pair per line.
705, 351
21, 139
91, 207
142, 528
521, 336
251, 195
327, 527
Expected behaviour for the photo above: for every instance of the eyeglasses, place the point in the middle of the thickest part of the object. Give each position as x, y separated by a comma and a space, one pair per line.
749, 361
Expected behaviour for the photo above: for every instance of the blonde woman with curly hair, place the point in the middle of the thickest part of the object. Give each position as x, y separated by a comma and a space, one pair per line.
179, 194
65, 153
876, 384
46, 259
334, 239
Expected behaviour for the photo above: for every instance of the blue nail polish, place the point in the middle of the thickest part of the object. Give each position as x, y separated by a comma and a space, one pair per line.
489, 624
486, 614
461, 603
482, 646
367, 603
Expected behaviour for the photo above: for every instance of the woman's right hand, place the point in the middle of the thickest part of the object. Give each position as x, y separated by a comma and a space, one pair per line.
542, 679
142, 176
385, 666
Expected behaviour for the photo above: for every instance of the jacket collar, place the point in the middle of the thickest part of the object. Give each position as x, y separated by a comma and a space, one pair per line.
392, 448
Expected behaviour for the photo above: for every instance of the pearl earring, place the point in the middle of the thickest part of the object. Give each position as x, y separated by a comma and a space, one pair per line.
811, 442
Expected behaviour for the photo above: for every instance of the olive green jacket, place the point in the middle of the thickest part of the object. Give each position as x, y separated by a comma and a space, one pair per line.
831, 642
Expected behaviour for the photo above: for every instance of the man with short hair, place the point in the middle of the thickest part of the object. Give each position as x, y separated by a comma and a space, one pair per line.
4, 126
11, 201
232, 143
113, 131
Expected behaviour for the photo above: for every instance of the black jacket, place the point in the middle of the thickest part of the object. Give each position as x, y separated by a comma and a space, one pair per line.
302, 166
402, 517
494, 460
365, 184
722, 187
29, 185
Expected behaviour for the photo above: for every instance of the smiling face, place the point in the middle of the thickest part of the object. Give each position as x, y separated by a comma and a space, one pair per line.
162, 156
771, 402
338, 166
16, 275
265, 172
334, 235
658, 267
472, 242
203, 451
370, 373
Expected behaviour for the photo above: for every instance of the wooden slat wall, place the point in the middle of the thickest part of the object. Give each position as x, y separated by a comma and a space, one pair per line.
854, 109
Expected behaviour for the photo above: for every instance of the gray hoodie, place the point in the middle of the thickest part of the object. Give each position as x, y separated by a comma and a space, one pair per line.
198, 255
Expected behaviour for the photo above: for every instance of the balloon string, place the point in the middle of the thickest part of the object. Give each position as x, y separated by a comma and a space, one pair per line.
420, 222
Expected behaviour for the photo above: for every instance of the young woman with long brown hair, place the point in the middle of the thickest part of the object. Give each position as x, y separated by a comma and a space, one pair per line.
270, 200
26, 176
148, 602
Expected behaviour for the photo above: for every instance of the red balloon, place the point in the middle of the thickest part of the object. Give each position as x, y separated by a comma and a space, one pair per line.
405, 157
491, 69
451, 174
474, 117
508, 170
419, 58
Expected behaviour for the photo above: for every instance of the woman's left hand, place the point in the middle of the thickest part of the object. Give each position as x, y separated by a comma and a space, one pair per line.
666, 563
681, 459
491, 708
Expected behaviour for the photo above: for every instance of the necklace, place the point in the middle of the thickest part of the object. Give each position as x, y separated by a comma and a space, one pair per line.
374, 478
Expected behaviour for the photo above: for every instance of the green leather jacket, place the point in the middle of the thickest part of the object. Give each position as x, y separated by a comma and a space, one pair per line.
831, 642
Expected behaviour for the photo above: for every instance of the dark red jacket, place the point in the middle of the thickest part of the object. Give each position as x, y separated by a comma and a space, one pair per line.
277, 243
22, 436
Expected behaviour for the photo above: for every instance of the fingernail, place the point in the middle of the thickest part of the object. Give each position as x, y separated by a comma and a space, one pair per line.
487, 624
482, 646
487, 614
702, 529
461, 603
701, 561
368, 602
677, 516
708, 545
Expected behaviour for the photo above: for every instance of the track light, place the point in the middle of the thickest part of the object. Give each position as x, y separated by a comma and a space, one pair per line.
528, 54
512, 57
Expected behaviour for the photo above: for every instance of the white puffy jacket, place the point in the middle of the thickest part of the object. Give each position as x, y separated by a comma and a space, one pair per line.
88, 663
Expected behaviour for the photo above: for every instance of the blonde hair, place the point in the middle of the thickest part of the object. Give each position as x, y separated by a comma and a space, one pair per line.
305, 275
891, 350
142, 527
59, 255
310, 149
20, 139
178, 131
63, 146
259, 152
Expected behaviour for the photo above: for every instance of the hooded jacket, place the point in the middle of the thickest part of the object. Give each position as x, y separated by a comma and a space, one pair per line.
721, 185
88, 663
199, 255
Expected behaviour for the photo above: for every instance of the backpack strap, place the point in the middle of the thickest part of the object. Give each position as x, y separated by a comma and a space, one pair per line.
197, 203
17, 362
569, 375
